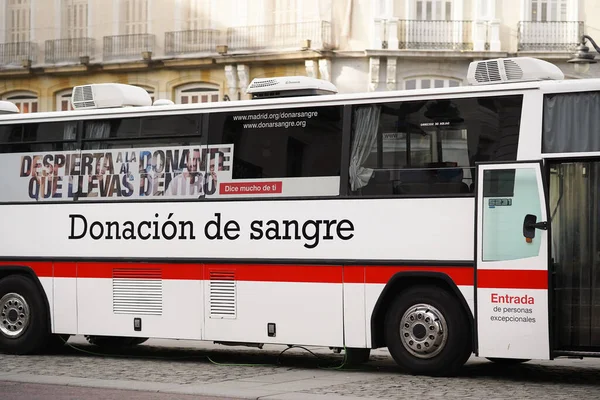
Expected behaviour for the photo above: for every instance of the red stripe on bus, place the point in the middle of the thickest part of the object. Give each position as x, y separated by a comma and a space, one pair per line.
65, 269
280, 273
382, 274
40, 268
128, 270
379, 274
507, 279
354, 274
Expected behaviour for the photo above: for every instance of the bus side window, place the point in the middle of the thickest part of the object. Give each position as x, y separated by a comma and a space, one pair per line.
35, 137
296, 150
429, 147
171, 125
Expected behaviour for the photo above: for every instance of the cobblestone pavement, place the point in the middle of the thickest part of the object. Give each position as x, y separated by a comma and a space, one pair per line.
188, 367
35, 391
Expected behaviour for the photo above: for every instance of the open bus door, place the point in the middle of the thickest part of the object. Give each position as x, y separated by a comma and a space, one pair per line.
511, 257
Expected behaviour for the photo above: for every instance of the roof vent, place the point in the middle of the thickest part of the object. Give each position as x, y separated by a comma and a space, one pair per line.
518, 69
289, 86
7, 107
107, 95
163, 102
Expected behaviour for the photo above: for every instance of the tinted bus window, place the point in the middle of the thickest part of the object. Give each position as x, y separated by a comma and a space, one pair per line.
148, 131
11, 133
112, 128
171, 125
298, 150
430, 147
42, 136
50, 131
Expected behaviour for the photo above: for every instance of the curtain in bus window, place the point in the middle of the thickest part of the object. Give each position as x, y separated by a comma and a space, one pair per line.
97, 130
365, 139
69, 133
575, 216
571, 122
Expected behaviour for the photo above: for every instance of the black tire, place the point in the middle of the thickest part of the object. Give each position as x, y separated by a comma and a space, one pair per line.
36, 331
452, 354
114, 342
507, 361
356, 356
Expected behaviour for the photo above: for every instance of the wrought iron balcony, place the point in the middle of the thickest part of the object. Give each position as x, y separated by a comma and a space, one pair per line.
69, 50
127, 47
18, 53
549, 36
192, 41
280, 36
435, 35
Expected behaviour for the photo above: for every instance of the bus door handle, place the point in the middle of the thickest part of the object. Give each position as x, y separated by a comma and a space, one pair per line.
530, 224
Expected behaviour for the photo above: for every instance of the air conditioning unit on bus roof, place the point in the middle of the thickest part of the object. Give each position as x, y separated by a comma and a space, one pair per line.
517, 69
289, 86
7, 107
107, 95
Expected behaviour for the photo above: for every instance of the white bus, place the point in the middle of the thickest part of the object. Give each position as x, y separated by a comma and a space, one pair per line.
436, 223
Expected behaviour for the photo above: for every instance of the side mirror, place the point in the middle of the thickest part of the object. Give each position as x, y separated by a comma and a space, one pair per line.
530, 224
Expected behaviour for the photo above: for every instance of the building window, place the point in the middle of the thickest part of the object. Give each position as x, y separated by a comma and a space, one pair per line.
429, 82
75, 19
433, 10
63, 100
134, 14
198, 15
18, 21
197, 93
26, 101
285, 12
548, 10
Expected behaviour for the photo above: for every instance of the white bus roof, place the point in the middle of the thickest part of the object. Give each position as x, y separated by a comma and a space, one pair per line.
550, 86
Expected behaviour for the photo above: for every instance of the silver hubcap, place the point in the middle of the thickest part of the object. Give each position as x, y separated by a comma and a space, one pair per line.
14, 315
423, 331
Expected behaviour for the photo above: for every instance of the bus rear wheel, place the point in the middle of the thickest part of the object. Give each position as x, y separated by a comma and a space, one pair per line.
23, 316
427, 332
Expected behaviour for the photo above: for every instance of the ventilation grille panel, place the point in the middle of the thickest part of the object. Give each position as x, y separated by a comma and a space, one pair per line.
487, 72
137, 291
265, 83
513, 71
83, 97
222, 293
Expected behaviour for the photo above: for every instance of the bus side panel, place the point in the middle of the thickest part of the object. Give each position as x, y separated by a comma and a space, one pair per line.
304, 302
355, 330
64, 307
166, 297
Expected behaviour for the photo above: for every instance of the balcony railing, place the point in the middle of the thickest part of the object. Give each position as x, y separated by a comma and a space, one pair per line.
280, 36
69, 50
435, 35
127, 47
18, 53
192, 41
549, 36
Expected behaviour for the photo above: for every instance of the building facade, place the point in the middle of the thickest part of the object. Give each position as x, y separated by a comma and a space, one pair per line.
209, 50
